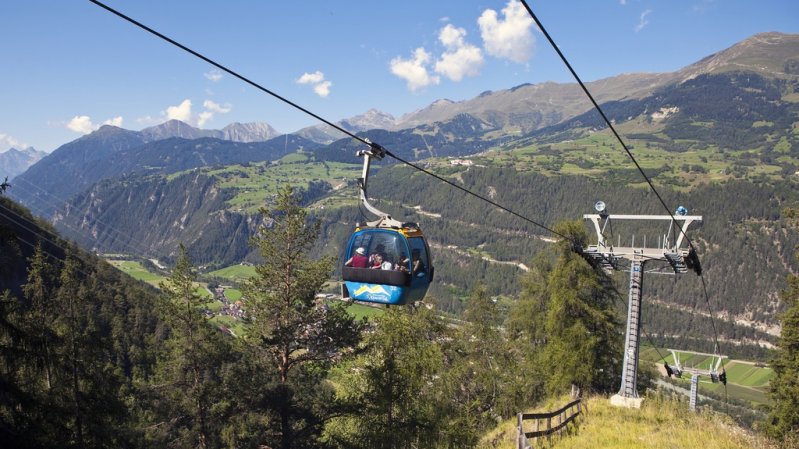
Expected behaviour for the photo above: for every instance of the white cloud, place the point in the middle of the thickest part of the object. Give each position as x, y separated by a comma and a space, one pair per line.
203, 117
81, 124
116, 121
461, 58
317, 79
7, 142
211, 109
323, 89
511, 38
466, 61
213, 75
180, 112
622, 2
183, 112
451, 36
643, 21
311, 78
413, 70
214, 107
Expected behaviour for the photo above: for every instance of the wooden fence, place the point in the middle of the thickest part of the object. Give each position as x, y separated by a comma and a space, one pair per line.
547, 424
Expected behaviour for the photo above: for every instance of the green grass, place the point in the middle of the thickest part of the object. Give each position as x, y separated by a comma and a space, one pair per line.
214, 306
749, 375
754, 396
294, 157
745, 381
231, 323
137, 271
235, 273
599, 154
255, 184
659, 423
232, 294
360, 311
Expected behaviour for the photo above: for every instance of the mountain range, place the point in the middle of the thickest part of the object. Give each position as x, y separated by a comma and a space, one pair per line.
728, 119
14, 162
235, 132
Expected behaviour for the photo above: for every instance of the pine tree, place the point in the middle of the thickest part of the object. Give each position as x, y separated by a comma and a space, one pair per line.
89, 386
568, 320
17, 422
584, 328
784, 417
393, 387
39, 292
290, 331
188, 379
481, 381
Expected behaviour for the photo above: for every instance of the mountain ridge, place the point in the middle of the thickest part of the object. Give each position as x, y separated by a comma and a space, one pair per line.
14, 161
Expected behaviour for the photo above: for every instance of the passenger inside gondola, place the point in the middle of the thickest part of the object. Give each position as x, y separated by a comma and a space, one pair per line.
418, 265
377, 250
358, 260
377, 261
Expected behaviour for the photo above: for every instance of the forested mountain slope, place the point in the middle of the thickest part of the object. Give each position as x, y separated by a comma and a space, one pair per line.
76, 339
746, 249
111, 152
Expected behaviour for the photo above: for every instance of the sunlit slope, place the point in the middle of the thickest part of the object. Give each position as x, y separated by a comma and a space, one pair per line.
660, 423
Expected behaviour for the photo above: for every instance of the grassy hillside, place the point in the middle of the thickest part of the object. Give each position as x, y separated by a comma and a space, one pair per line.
255, 184
660, 423
600, 156
137, 271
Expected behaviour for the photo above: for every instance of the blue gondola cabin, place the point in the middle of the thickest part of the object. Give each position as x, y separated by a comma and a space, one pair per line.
387, 265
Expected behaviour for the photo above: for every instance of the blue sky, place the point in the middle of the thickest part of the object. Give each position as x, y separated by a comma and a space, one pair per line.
70, 66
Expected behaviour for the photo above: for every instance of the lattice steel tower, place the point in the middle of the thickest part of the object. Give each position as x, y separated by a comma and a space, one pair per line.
669, 249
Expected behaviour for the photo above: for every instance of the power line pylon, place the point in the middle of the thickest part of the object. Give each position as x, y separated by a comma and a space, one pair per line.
671, 249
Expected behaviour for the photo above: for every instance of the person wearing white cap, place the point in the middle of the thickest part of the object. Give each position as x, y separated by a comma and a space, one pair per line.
358, 260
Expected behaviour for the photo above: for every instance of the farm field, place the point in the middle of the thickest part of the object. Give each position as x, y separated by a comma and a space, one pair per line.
137, 271
234, 273
745, 380
254, 183
600, 155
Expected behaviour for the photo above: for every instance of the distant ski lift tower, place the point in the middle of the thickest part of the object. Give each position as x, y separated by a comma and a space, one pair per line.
712, 372
604, 254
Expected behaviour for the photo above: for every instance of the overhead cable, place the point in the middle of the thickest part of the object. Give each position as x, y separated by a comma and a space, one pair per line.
321, 119
629, 153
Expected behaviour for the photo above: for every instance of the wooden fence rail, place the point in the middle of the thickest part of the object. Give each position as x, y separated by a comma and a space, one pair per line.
563, 417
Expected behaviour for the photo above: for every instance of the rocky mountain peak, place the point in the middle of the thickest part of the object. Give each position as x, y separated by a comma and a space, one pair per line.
249, 132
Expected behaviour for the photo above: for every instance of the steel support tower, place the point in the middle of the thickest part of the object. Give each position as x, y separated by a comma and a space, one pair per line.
669, 249
712, 372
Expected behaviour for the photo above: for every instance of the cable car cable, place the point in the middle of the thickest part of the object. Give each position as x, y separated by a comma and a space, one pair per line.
626, 149
327, 122
465, 190
354, 136
122, 239
602, 113
41, 238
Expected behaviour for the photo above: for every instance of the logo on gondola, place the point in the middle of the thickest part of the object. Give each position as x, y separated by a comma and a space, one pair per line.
377, 289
